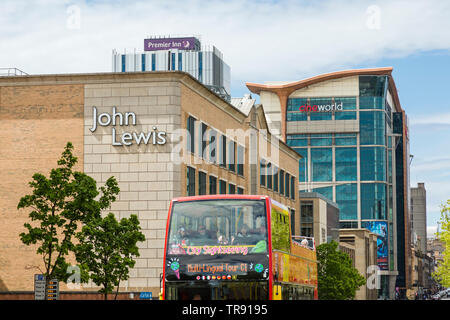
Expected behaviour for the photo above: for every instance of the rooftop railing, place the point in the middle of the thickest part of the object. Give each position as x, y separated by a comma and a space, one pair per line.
8, 72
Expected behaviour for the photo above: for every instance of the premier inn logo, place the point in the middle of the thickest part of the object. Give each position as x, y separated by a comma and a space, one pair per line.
105, 119
321, 107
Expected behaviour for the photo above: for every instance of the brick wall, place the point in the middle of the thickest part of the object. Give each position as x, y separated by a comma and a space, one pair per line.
36, 124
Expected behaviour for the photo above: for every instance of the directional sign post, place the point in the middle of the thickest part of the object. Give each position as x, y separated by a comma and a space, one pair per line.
39, 287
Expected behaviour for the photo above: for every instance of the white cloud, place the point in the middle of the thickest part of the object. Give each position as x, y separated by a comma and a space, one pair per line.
431, 231
261, 40
431, 120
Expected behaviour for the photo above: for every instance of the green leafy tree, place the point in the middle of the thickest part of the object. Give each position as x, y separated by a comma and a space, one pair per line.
107, 248
59, 204
442, 273
337, 278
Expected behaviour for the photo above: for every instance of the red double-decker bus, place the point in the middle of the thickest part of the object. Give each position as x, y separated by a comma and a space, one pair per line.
236, 247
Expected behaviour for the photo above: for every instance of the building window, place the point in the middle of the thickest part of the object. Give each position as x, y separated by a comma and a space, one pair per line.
296, 116
231, 188
372, 126
173, 61
348, 103
269, 176
275, 178
306, 218
373, 163
180, 61
327, 192
346, 167
347, 199
294, 104
203, 139
240, 190
348, 224
143, 62
302, 164
263, 172
201, 183
319, 140
222, 187
345, 139
372, 86
293, 188
153, 61
282, 182
240, 160
190, 181
123, 63
321, 164
213, 146
232, 156
373, 201
342, 115
191, 134
200, 66
286, 185
212, 185
297, 140
223, 153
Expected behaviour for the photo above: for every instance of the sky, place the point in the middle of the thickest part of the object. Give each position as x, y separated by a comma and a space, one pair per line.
263, 41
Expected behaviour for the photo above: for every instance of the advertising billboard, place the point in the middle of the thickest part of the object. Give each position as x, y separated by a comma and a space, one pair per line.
379, 228
185, 43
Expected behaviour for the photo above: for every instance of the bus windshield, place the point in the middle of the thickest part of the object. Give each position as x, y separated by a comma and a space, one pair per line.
225, 226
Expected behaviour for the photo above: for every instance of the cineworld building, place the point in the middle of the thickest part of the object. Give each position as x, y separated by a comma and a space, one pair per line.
161, 134
352, 133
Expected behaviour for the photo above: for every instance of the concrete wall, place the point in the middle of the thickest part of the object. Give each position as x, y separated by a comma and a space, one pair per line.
147, 178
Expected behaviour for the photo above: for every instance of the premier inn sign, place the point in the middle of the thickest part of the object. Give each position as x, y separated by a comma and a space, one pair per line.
105, 119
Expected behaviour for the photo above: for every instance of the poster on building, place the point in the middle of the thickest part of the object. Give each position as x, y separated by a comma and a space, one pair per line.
379, 228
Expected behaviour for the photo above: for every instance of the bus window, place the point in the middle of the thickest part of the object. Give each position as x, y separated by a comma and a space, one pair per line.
231, 222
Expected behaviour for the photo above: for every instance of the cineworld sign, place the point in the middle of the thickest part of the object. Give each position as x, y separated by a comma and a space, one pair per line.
321, 107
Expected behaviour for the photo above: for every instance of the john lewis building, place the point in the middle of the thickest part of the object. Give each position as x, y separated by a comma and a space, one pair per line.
161, 134
352, 134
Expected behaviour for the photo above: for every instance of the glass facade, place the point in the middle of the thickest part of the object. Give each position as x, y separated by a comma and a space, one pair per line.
372, 128
347, 200
321, 160
356, 165
346, 164
373, 201
373, 164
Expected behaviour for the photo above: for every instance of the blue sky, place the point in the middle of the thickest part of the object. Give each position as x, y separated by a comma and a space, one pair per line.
283, 40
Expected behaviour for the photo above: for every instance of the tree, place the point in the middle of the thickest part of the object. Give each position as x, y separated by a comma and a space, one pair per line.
337, 278
60, 203
442, 273
107, 248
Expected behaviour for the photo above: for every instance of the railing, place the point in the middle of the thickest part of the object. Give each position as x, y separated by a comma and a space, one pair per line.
307, 242
8, 72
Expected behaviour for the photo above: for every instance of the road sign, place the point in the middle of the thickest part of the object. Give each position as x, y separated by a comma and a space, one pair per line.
39, 287
145, 295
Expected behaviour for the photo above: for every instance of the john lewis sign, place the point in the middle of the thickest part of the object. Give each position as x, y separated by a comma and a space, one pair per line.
105, 119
